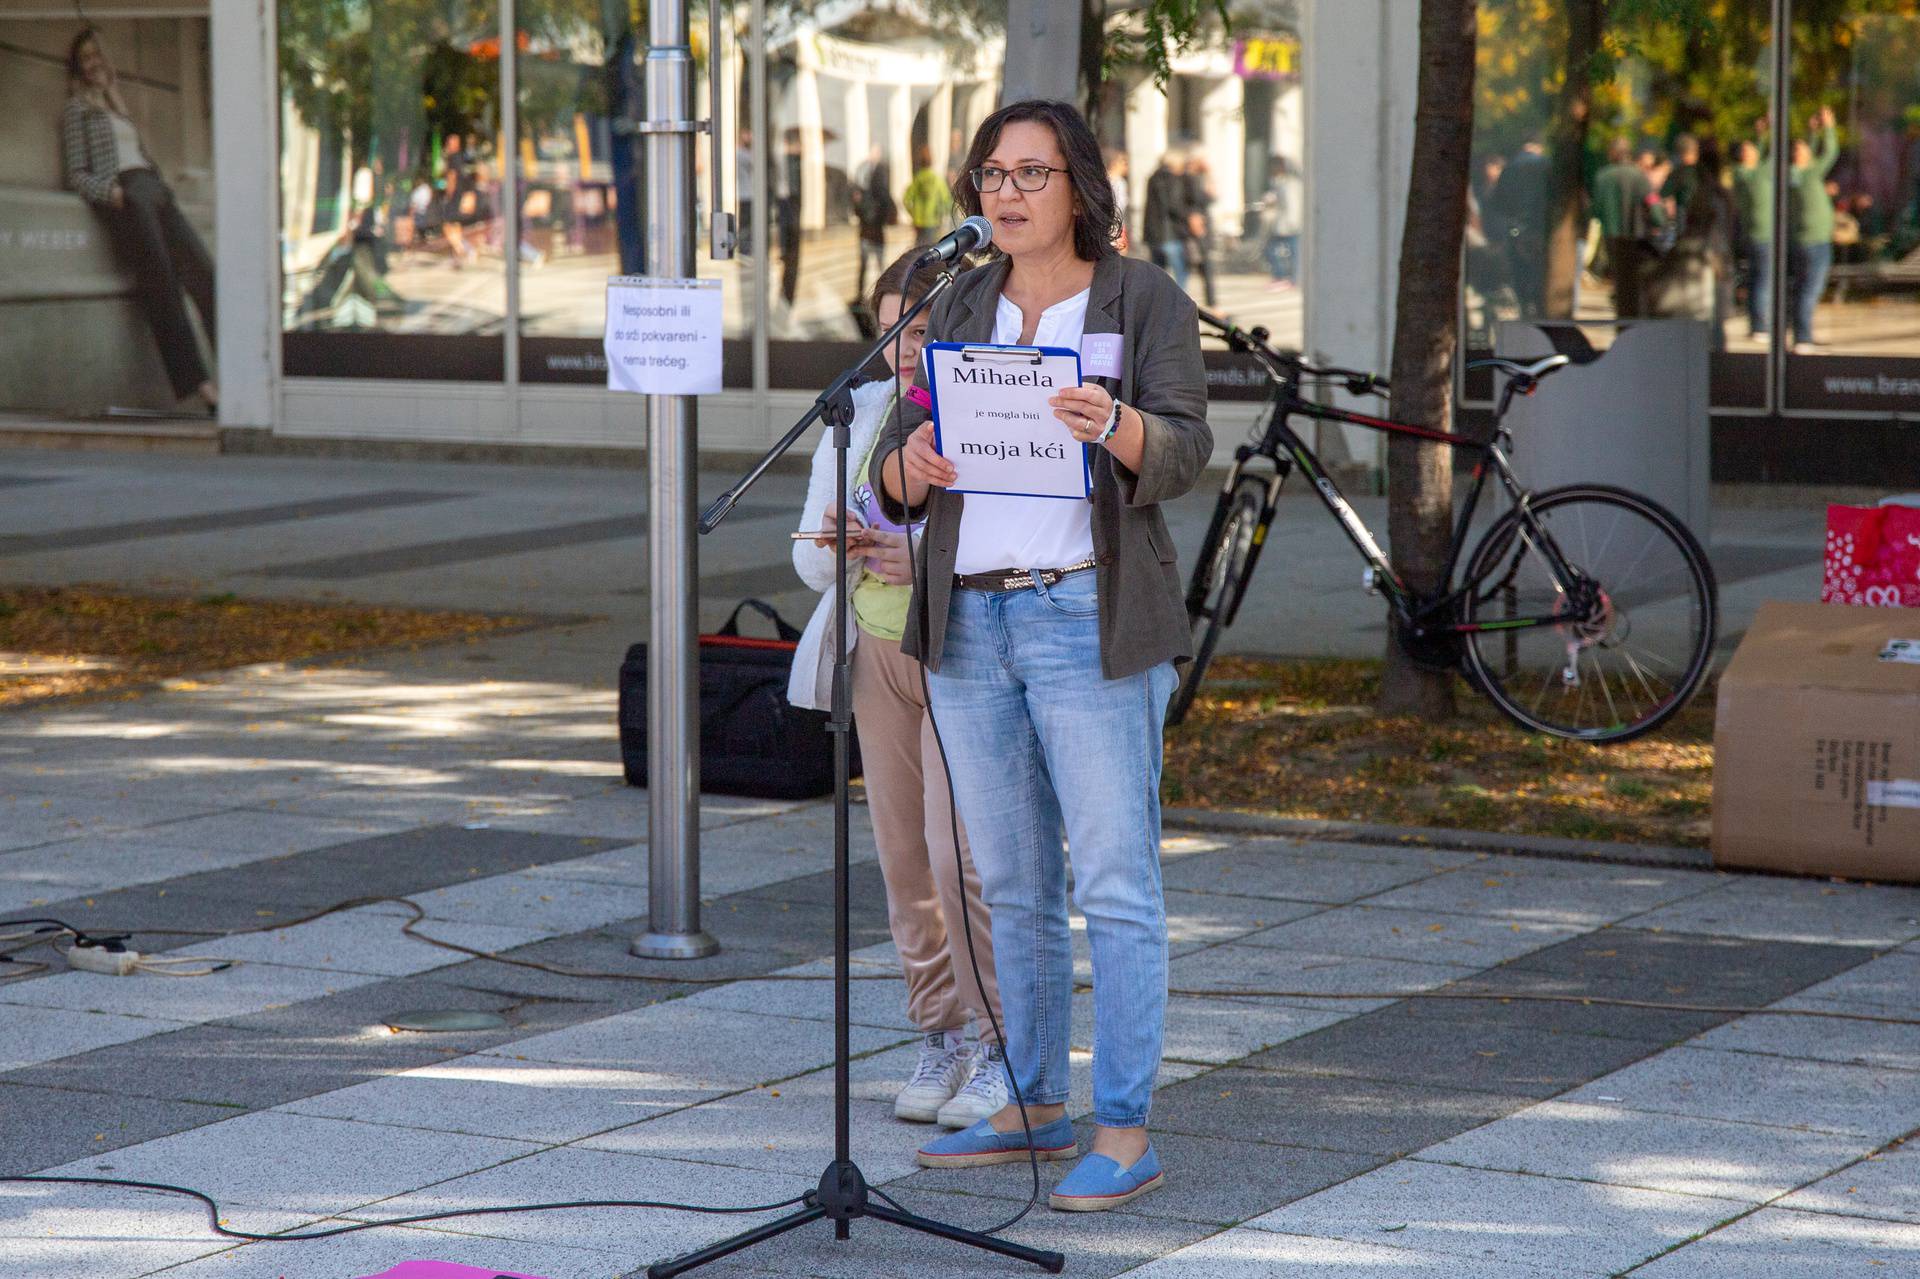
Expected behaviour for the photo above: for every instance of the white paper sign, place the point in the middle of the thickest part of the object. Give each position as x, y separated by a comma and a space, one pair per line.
1900, 792
663, 336
991, 420
1901, 650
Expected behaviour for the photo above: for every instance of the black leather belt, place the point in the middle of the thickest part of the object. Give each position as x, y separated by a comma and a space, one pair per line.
1015, 579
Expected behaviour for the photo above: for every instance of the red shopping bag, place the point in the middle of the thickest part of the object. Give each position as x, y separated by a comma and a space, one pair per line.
1873, 556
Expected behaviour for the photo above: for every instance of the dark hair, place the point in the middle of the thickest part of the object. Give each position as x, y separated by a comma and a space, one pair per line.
1097, 222
901, 278
85, 36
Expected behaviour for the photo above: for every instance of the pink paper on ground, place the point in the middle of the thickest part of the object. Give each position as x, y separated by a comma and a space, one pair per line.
445, 1270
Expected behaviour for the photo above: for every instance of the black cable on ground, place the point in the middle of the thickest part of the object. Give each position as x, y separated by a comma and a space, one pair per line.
247, 1236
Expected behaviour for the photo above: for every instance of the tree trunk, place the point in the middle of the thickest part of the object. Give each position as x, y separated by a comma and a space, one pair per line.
1425, 331
1042, 57
1567, 202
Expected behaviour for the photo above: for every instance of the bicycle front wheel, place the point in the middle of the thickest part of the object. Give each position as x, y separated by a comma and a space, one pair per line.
1640, 604
1219, 579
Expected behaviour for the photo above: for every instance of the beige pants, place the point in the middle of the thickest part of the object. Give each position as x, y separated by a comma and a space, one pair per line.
907, 796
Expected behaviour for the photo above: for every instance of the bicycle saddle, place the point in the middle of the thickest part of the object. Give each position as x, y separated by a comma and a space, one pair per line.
1530, 370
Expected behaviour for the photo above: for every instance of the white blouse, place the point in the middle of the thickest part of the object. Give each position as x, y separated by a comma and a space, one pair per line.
126, 142
1000, 531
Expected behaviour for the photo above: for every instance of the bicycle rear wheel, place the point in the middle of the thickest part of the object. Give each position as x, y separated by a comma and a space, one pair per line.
1219, 579
1642, 610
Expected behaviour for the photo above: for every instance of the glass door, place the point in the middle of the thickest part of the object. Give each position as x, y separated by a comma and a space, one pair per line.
1852, 232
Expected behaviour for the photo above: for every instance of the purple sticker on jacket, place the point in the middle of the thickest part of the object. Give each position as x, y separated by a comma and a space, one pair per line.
1100, 355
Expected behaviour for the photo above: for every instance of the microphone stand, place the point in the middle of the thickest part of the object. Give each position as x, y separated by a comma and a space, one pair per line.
842, 1195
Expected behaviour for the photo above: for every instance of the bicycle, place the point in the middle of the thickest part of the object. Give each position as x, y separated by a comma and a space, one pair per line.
1586, 611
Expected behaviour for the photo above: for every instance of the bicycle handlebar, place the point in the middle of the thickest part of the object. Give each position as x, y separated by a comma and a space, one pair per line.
1254, 342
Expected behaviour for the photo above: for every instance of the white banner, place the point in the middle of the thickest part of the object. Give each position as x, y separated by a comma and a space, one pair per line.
663, 336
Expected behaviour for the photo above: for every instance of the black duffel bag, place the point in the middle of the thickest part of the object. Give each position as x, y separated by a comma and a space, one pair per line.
753, 741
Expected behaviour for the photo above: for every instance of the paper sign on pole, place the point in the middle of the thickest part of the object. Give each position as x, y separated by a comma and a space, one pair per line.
663, 336
991, 419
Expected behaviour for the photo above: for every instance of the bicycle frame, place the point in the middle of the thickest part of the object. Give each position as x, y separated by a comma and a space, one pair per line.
1422, 616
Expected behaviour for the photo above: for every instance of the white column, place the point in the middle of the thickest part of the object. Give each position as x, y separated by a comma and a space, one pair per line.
899, 139
1146, 140
246, 211
1224, 133
813, 155
1361, 68
859, 127
940, 125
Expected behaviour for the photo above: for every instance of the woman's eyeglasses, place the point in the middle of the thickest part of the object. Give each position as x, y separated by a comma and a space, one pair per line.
1028, 177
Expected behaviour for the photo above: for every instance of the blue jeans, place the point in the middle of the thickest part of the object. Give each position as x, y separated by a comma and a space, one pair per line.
1760, 286
1281, 251
1041, 745
1813, 261
1173, 256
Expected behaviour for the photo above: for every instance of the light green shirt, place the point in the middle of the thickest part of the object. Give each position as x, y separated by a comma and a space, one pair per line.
880, 608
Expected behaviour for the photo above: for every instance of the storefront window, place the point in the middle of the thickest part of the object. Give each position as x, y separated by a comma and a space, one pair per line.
392, 237
1215, 171
1213, 167
868, 124
1853, 222
1615, 178
583, 181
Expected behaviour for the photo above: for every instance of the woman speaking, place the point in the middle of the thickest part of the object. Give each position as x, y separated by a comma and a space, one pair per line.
1050, 628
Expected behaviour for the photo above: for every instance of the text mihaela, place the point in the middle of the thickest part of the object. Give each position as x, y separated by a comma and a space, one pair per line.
982, 376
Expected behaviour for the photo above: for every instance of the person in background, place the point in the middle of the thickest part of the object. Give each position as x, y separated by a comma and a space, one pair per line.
786, 182
1117, 166
1654, 163
1163, 223
928, 199
1485, 267
1049, 630
1284, 201
743, 184
1519, 204
1201, 194
874, 211
1486, 176
109, 167
957, 1080
1700, 264
1810, 223
1620, 192
1683, 179
1753, 203
461, 211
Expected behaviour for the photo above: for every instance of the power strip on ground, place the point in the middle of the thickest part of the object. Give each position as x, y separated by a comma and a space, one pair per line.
98, 959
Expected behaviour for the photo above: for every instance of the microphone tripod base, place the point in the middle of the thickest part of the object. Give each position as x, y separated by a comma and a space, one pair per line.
695, 945
841, 1198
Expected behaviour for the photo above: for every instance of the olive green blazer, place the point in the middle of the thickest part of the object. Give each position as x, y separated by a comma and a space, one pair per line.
1143, 616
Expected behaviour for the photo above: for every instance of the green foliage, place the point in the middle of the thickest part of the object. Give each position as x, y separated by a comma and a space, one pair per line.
1663, 67
1159, 31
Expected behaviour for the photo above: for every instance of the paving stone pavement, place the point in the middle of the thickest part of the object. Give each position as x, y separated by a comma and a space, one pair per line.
1371, 1134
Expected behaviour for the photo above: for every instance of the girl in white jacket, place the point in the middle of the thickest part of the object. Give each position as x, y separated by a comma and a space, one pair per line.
957, 1080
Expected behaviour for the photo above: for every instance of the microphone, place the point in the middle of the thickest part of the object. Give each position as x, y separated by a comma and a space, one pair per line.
971, 236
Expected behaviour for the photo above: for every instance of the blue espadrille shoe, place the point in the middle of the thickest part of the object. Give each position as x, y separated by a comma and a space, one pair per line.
980, 1145
1098, 1183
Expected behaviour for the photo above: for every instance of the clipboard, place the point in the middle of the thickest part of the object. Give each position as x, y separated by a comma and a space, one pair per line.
993, 450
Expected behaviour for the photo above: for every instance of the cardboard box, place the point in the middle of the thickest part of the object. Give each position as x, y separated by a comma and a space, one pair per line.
1817, 744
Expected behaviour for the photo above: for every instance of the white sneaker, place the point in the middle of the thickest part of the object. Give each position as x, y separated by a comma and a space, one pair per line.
939, 1073
986, 1091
